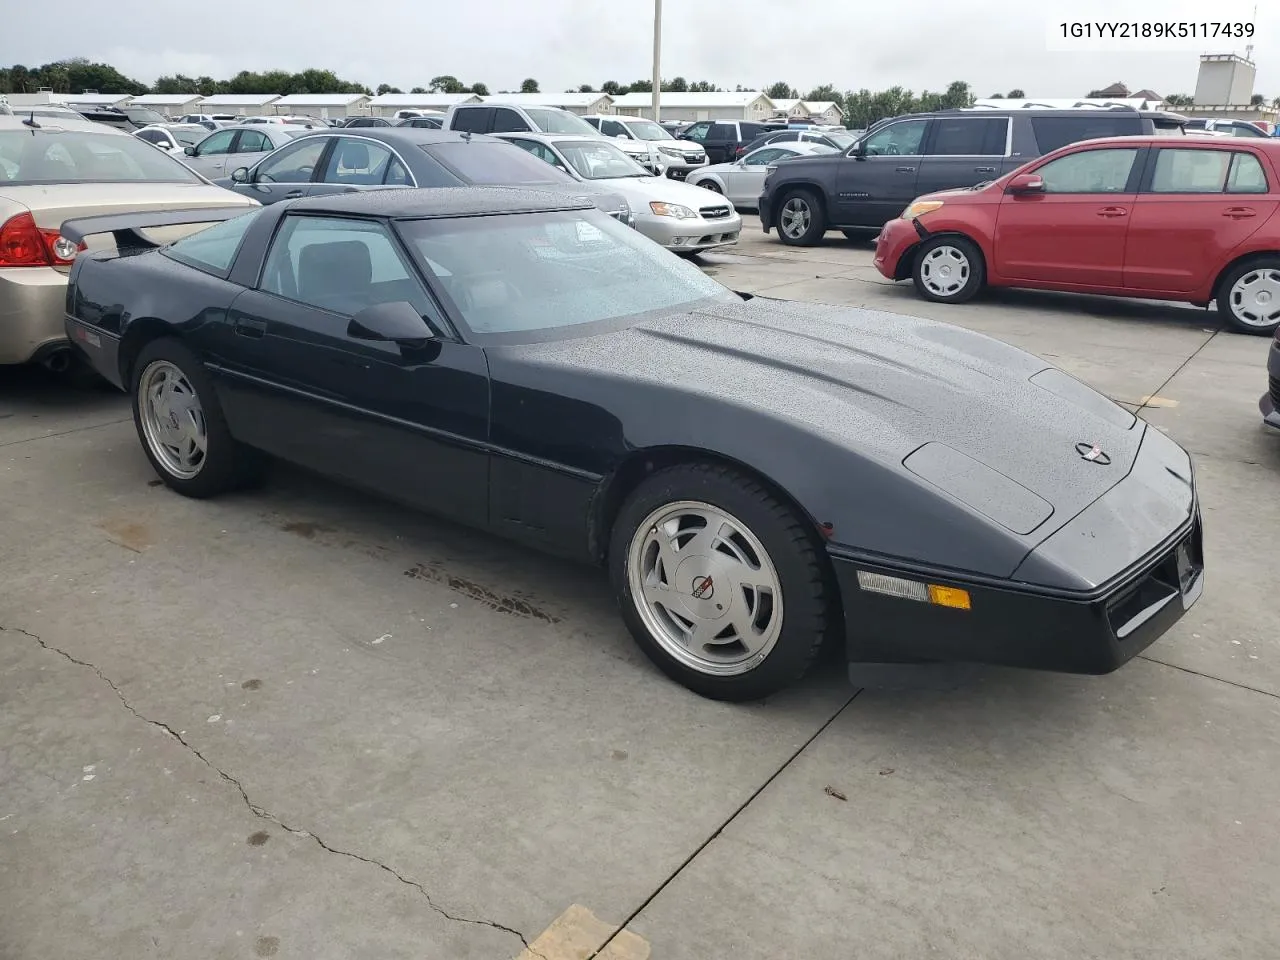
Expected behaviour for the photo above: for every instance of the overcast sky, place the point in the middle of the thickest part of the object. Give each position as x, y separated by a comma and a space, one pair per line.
996, 45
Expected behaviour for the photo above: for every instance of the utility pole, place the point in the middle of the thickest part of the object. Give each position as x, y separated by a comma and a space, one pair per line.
657, 59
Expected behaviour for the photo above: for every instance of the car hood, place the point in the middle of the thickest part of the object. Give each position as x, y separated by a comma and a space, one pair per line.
994, 427
639, 191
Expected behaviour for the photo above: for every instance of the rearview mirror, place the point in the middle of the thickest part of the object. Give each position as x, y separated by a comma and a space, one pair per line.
189, 151
396, 322
1026, 183
240, 174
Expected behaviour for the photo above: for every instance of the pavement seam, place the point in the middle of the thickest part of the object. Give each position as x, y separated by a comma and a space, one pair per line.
64, 433
724, 825
1210, 676
263, 813
1169, 379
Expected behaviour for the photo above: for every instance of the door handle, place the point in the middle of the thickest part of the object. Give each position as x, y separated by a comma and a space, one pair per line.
1113, 212
293, 194
1238, 213
984, 169
905, 169
248, 327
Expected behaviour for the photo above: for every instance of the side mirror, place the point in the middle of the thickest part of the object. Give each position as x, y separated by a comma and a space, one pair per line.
240, 175
621, 136
858, 151
189, 151
397, 322
1026, 183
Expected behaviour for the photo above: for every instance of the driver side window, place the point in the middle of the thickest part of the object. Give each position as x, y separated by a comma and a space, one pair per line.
216, 144
697, 133
612, 128
1089, 171
294, 163
901, 139
762, 157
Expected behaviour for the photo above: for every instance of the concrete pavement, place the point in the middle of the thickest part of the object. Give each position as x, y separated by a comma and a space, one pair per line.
300, 722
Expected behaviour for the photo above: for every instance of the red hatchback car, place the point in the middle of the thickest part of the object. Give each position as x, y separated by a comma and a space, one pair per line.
1192, 219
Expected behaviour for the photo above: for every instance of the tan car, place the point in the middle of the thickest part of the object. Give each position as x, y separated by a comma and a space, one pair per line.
50, 171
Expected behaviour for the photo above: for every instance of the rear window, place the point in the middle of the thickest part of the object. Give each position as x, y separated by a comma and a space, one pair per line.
1054, 132
970, 136
35, 156
494, 164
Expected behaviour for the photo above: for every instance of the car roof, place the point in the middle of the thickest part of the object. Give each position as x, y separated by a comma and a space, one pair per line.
58, 125
551, 137
400, 136
440, 202
1269, 144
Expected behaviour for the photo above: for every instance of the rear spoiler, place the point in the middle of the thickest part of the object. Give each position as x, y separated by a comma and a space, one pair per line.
125, 228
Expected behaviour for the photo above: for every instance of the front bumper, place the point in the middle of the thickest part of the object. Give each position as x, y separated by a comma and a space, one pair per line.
32, 300
1269, 403
695, 234
897, 238
680, 169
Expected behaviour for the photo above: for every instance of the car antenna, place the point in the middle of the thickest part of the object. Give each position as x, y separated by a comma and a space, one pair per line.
31, 121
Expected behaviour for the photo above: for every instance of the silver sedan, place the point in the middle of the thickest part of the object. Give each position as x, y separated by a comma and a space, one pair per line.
743, 180
239, 146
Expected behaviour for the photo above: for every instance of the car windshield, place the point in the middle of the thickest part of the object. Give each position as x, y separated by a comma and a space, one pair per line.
599, 160
188, 136
67, 156
842, 141
503, 164
142, 115
647, 130
559, 121
522, 274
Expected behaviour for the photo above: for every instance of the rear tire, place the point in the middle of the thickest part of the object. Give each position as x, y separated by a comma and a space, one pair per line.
181, 426
801, 219
710, 185
1249, 296
948, 269
736, 612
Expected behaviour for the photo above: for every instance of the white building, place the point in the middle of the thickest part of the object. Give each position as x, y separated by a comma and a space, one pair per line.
583, 104
387, 104
238, 104
819, 111
45, 97
689, 107
170, 104
322, 105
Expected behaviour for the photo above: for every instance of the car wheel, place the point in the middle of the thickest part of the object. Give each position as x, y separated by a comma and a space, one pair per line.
1249, 296
801, 221
710, 185
719, 582
948, 269
181, 425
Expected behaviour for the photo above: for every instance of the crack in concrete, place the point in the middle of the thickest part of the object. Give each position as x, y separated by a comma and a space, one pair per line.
265, 814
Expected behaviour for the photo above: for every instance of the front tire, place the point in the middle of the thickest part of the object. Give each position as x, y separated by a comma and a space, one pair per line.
719, 582
948, 269
801, 219
181, 426
710, 185
1249, 296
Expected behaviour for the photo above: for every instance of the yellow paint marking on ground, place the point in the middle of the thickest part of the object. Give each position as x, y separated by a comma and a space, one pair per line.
577, 933
1154, 401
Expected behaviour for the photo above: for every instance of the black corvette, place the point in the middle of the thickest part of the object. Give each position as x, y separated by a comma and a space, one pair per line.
756, 474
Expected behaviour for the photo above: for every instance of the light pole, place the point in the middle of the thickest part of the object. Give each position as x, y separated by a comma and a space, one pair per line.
657, 59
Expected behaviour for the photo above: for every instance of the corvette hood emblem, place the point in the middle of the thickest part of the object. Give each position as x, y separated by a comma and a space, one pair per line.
1092, 453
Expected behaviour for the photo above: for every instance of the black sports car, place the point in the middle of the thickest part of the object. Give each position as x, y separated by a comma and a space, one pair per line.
756, 474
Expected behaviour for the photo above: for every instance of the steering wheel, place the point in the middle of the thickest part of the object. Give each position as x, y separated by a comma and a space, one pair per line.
892, 150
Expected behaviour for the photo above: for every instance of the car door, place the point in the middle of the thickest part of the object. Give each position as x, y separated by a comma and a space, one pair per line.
721, 140
1195, 205
876, 184
962, 151
359, 163
288, 172
744, 181
506, 120
409, 423
211, 153
1074, 232
698, 133
470, 119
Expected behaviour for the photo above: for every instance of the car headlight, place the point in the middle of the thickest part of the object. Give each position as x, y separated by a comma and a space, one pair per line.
671, 152
920, 207
671, 210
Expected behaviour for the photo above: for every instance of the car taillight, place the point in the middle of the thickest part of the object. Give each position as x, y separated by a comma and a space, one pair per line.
23, 244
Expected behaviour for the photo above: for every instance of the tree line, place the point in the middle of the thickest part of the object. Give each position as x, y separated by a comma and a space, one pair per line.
861, 107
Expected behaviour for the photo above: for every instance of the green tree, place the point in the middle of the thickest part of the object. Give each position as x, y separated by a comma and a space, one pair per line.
958, 95
178, 83
1017, 93
824, 92
1257, 100
447, 84
703, 86
585, 88
418, 90
678, 85
613, 88
781, 91
387, 88
641, 86
1179, 100
529, 86
480, 89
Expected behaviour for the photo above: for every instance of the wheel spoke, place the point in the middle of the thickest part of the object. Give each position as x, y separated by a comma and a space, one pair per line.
706, 539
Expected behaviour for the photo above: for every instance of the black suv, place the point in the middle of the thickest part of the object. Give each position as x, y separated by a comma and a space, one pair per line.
722, 138
900, 159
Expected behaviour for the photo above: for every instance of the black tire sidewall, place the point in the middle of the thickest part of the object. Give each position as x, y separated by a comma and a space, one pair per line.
817, 219
795, 558
977, 269
1224, 296
220, 471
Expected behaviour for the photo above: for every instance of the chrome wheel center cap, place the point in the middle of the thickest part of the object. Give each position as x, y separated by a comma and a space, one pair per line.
1263, 297
944, 271
704, 587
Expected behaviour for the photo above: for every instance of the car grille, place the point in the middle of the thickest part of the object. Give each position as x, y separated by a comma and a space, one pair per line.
1273, 386
693, 158
714, 213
